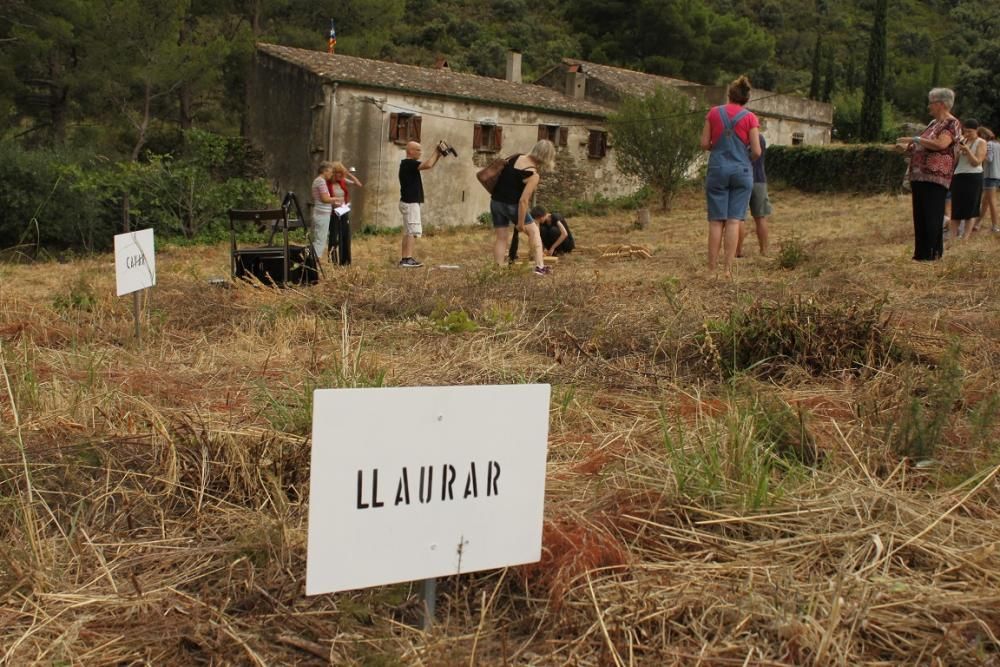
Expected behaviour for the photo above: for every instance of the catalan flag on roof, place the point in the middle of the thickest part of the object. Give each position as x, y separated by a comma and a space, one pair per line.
332, 39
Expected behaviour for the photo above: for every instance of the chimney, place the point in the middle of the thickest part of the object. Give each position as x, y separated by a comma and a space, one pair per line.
442, 63
514, 66
576, 82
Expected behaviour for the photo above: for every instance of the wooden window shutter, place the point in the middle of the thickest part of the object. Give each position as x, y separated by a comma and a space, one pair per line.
543, 132
563, 136
497, 138
592, 144
477, 137
415, 123
393, 126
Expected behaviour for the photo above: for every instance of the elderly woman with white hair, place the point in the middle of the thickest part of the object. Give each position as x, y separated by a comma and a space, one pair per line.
932, 164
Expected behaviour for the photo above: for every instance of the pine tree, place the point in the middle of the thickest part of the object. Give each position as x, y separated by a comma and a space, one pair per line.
871, 106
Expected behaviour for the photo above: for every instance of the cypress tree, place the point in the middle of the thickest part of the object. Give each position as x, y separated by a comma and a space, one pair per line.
871, 105
814, 83
829, 81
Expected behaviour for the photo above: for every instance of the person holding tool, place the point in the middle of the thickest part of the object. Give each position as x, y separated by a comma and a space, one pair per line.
411, 196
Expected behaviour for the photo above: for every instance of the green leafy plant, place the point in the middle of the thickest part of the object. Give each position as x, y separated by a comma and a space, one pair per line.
791, 253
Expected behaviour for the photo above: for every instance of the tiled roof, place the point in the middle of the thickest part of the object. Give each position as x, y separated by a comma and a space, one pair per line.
444, 82
628, 82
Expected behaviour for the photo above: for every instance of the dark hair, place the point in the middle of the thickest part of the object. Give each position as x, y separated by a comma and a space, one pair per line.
970, 124
538, 212
739, 90
986, 133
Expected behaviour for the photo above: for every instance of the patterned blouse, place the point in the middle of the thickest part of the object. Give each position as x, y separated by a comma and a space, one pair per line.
936, 166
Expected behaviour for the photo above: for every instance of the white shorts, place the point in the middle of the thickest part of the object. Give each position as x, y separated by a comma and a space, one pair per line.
411, 218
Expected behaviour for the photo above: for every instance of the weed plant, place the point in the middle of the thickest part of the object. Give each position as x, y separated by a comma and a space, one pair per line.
820, 338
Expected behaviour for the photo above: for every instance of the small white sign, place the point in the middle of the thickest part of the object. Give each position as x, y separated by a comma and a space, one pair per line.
135, 261
341, 210
421, 482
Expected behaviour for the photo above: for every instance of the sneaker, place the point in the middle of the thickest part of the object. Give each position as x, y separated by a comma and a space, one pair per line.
542, 270
995, 229
410, 263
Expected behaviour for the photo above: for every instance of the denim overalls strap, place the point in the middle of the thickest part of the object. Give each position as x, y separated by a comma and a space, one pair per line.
729, 149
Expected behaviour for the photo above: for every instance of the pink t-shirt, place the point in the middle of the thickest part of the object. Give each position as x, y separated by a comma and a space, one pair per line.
742, 128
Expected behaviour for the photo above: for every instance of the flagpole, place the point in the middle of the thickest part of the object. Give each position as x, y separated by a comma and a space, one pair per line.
332, 38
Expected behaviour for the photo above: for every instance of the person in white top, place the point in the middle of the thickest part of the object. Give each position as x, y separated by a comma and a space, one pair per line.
322, 207
991, 176
967, 183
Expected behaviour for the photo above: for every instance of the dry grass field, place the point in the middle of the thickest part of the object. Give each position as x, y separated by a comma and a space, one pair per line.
796, 467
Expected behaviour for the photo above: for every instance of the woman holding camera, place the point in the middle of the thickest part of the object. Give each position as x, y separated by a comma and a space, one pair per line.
967, 183
932, 162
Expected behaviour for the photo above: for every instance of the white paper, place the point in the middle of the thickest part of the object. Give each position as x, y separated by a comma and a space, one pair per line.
374, 520
341, 210
135, 261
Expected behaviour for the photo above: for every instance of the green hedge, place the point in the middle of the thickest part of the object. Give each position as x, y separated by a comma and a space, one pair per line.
861, 168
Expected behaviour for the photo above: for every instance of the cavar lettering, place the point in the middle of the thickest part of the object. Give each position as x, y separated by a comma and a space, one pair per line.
134, 261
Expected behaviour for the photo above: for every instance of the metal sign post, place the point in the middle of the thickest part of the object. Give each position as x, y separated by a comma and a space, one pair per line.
428, 600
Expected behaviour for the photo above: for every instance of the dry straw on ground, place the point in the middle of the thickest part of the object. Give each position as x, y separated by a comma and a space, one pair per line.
825, 494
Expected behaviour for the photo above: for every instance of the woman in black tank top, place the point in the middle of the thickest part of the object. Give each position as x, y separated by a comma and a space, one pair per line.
512, 200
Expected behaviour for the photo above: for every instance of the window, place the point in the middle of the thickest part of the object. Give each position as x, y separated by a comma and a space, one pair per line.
597, 144
404, 127
487, 137
559, 136
798, 138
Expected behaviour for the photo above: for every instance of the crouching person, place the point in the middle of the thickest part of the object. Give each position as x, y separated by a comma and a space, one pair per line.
557, 239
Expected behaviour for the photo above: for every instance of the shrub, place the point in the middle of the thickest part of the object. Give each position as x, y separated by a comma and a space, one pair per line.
767, 339
39, 207
791, 253
601, 205
838, 168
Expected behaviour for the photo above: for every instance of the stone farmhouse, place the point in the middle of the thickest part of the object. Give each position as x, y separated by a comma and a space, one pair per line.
309, 106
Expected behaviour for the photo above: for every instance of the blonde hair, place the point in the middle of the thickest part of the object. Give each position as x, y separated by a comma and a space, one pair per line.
739, 90
339, 170
323, 166
544, 155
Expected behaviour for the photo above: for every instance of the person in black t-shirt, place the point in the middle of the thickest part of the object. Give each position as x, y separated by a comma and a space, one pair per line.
557, 239
411, 196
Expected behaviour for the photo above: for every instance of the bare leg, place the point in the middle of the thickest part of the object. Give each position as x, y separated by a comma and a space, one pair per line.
989, 204
953, 228
762, 233
715, 228
535, 240
407, 245
732, 239
970, 226
501, 240
743, 235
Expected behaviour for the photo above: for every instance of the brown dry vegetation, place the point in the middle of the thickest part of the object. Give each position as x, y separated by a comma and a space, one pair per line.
796, 467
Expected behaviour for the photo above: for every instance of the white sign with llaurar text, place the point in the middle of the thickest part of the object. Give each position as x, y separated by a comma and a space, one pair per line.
135, 261
419, 482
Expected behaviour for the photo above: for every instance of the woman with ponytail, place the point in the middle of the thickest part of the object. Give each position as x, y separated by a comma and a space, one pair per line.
732, 135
